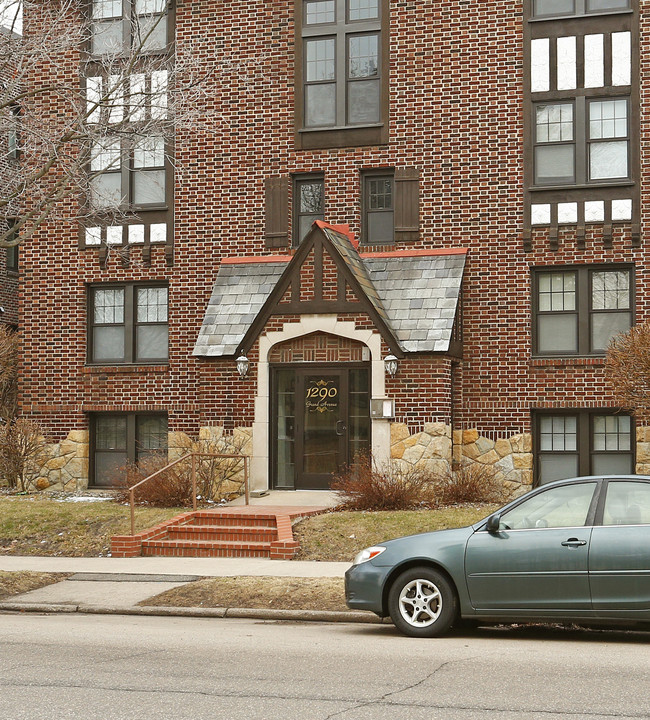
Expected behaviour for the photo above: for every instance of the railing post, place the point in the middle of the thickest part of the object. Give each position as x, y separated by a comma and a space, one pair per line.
132, 503
246, 488
194, 482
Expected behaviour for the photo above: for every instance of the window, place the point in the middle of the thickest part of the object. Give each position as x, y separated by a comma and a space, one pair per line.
579, 310
120, 177
12, 259
566, 506
308, 204
599, 152
117, 25
582, 91
343, 72
583, 443
128, 323
378, 208
119, 438
13, 135
627, 503
12, 253
547, 8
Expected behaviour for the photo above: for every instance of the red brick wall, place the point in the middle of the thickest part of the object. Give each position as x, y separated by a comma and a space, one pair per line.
456, 112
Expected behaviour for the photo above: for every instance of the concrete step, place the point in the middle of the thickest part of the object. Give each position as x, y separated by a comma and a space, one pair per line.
223, 532
204, 548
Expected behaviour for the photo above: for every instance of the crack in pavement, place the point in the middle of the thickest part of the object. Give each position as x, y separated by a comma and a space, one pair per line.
383, 698
529, 712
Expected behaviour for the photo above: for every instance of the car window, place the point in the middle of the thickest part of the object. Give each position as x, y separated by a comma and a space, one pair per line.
565, 506
627, 503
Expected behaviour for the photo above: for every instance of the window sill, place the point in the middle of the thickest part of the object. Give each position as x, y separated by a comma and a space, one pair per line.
596, 361
337, 128
347, 136
553, 18
125, 369
582, 186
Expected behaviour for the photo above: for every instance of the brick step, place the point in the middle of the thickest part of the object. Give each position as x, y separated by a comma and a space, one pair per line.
204, 548
222, 532
240, 520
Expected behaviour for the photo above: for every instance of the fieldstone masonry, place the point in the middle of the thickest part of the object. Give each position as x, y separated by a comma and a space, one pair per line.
433, 450
67, 466
643, 450
430, 448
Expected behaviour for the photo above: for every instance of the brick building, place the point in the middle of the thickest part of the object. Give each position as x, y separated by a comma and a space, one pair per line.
453, 186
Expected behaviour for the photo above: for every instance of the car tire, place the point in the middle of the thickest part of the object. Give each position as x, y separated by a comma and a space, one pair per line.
422, 603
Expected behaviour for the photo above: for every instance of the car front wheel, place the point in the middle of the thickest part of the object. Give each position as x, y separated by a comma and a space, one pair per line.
422, 603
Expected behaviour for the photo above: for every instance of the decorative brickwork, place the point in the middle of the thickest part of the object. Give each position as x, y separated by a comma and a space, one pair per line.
318, 347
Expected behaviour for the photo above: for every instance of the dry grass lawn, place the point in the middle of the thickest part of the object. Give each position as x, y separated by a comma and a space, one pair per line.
339, 536
38, 525
16, 583
257, 592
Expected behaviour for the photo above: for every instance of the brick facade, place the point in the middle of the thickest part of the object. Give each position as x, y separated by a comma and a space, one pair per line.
457, 75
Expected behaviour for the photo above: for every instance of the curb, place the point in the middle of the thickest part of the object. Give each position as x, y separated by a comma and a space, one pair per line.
241, 613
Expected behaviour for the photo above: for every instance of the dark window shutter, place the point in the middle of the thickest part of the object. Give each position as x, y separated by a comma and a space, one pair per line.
277, 209
407, 204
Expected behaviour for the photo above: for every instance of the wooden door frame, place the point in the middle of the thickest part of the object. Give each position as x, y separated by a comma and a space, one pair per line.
304, 369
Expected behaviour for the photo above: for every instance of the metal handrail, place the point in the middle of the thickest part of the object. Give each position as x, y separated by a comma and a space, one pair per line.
192, 455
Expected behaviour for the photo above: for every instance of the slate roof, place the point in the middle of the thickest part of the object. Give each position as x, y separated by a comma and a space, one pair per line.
356, 265
239, 292
415, 294
420, 295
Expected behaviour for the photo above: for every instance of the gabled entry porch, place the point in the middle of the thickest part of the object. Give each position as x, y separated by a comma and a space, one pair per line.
310, 332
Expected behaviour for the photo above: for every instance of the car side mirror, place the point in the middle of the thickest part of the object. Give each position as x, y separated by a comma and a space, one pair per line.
493, 523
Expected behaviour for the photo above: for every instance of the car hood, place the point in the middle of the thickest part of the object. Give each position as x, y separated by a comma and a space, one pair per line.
441, 545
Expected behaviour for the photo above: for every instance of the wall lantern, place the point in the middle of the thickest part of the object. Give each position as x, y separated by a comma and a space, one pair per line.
390, 362
242, 366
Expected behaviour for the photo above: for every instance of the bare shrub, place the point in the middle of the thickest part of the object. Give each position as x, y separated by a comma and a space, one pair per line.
366, 486
8, 372
172, 488
23, 452
470, 483
216, 478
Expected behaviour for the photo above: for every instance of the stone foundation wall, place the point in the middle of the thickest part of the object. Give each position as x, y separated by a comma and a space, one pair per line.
643, 450
432, 449
67, 465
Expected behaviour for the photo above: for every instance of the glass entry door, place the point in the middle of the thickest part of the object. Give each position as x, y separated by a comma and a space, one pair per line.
321, 419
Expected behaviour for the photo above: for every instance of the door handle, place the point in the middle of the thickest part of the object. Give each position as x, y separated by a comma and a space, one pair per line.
574, 542
340, 427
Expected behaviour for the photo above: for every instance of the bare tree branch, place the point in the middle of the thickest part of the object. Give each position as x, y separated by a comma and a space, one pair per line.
628, 370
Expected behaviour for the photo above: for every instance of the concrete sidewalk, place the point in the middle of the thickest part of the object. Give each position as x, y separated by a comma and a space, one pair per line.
118, 585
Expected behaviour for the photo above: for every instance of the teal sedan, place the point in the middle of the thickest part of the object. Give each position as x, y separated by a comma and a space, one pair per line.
575, 550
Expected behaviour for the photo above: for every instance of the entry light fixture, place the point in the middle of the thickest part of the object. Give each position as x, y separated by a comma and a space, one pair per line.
242, 366
390, 362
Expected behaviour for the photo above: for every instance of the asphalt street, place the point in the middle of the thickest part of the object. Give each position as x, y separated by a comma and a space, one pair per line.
66, 667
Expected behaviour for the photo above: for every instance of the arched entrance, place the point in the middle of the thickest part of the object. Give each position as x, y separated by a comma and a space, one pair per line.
320, 409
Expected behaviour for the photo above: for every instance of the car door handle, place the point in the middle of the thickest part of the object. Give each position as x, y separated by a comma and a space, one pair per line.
574, 542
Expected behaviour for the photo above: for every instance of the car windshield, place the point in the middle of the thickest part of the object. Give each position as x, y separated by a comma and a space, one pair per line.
565, 506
